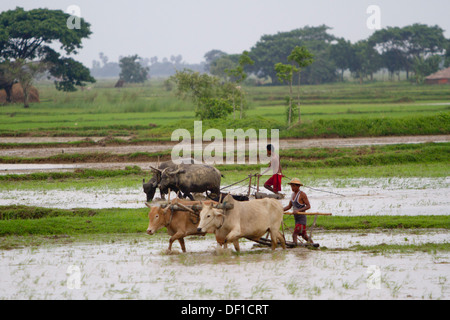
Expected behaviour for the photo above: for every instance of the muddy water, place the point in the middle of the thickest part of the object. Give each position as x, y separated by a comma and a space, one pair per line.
380, 196
139, 268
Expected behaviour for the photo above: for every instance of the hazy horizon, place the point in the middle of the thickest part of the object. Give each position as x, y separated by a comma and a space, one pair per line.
192, 28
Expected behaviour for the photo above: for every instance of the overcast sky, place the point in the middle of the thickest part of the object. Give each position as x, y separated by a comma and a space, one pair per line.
193, 27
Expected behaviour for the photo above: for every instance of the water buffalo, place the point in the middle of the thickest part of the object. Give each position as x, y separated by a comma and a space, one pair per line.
222, 195
248, 219
189, 178
179, 224
152, 184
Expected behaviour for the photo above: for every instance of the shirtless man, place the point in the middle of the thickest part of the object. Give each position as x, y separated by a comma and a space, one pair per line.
300, 203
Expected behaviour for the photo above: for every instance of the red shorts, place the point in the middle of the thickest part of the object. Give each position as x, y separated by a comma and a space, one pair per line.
275, 181
300, 229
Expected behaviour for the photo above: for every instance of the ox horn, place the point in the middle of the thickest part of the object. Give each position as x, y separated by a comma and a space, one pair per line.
148, 204
155, 169
179, 169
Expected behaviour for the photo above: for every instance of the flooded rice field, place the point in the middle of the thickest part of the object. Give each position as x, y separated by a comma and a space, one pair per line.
138, 267
363, 196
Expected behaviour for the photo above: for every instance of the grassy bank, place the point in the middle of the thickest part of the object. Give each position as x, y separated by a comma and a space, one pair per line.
407, 124
23, 220
310, 158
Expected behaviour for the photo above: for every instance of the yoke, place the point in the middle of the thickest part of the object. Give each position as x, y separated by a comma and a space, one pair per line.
195, 208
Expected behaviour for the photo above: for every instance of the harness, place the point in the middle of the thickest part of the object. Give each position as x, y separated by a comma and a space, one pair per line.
191, 216
171, 215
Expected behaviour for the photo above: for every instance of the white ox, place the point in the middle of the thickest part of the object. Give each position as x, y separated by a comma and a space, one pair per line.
248, 219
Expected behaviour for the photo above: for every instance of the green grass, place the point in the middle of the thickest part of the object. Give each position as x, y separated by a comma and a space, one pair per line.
377, 222
23, 220
149, 111
353, 93
402, 248
314, 157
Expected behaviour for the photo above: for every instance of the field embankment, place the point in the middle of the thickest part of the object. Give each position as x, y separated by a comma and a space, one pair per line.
152, 112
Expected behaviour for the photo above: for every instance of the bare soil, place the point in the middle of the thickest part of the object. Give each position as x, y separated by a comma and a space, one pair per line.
165, 146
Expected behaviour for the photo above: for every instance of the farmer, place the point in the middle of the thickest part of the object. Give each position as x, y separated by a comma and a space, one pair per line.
274, 182
300, 203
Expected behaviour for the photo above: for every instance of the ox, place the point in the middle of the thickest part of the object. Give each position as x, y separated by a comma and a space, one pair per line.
179, 224
249, 219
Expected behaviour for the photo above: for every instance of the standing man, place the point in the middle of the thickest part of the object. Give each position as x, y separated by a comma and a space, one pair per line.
274, 182
300, 203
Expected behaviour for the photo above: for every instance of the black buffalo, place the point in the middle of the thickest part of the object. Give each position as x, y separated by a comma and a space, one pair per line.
189, 178
151, 186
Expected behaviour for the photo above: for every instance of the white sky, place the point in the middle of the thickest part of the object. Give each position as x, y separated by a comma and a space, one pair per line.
193, 27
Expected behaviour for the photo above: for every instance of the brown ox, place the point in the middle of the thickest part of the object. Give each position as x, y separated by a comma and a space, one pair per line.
179, 223
249, 219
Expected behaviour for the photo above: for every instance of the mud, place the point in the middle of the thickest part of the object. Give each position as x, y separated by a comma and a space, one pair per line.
156, 147
376, 196
138, 267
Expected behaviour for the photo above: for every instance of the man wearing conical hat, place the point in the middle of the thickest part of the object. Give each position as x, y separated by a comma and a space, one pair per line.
300, 203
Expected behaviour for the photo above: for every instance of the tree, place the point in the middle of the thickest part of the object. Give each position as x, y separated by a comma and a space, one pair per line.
341, 54
303, 58
272, 49
417, 41
212, 56
365, 60
424, 67
394, 61
210, 96
285, 73
104, 68
131, 70
25, 73
219, 66
238, 75
447, 55
30, 36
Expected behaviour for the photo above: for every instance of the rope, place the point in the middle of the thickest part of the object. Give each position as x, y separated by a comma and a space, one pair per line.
315, 189
238, 181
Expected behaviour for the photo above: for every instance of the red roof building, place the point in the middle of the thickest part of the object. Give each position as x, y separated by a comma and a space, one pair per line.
440, 77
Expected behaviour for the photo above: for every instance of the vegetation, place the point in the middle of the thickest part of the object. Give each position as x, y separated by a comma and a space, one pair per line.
151, 112
304, 158
22, 220
131, 70
26, 37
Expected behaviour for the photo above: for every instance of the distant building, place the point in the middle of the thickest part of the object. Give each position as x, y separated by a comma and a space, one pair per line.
440, 77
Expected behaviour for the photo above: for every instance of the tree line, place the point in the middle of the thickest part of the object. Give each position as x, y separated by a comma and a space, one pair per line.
418, 50
28, 38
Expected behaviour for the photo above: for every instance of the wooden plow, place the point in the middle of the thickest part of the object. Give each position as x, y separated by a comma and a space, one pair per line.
290, 244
